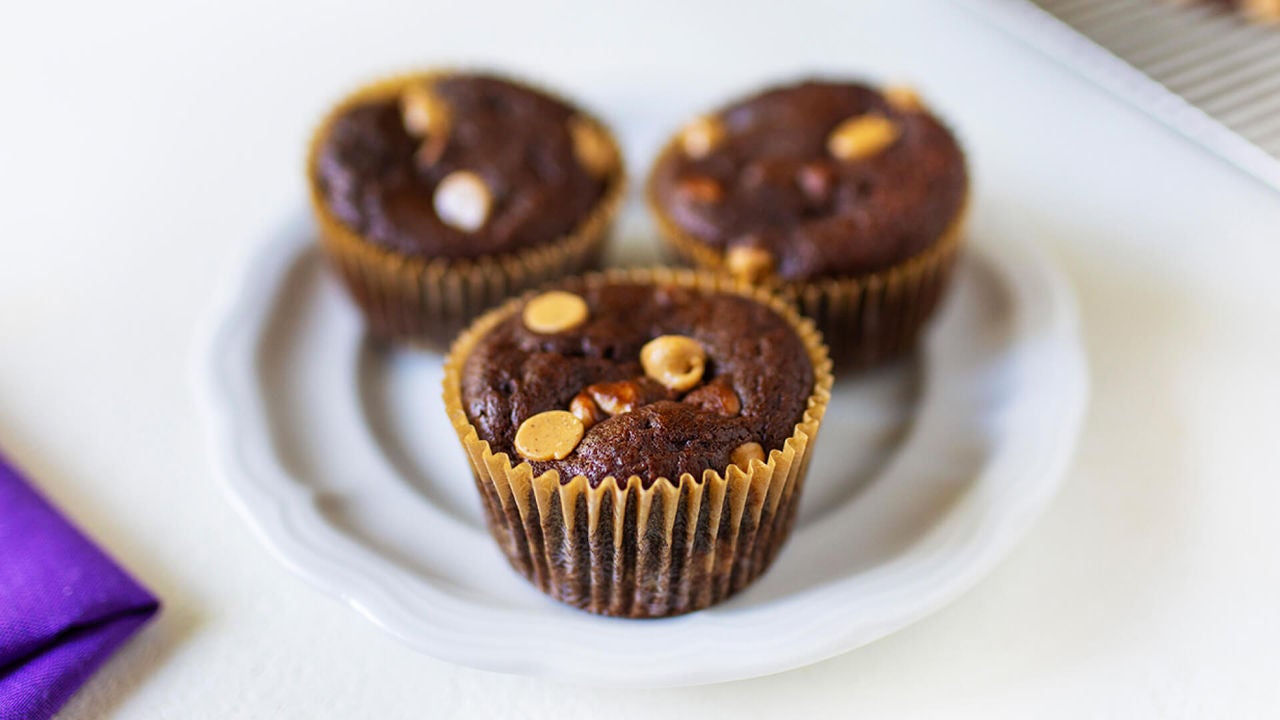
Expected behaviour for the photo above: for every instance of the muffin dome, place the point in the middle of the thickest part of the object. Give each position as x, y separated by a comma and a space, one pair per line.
827, 179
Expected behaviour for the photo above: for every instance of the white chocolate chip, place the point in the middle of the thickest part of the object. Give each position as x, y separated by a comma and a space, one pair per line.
555, 311
462, 201
745, 453
861, 137
675, 361
549, 435
591, 146
748, 263
701, 136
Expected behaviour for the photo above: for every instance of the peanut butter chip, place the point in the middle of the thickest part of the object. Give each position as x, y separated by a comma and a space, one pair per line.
426, 117
592, 148
1263, 10
585, 409
815, 181
716, 398
859, 138
462, 201
615, 398
423, 111
903, 98
675, 361
605, 399
701, 136
549, 435
431, 149
700, 190
748, 263
745, 453
555, 311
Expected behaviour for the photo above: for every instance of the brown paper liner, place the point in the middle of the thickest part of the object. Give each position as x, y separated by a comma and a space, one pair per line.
626, 550
865, 319
431, 299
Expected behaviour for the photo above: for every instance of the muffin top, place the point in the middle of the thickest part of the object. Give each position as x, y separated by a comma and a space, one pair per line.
817, 179
626, 379
461, 166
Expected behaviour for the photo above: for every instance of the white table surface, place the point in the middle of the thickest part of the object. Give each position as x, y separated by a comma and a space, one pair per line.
146, 146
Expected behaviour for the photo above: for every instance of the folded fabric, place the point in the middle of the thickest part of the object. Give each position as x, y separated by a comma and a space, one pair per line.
64, 605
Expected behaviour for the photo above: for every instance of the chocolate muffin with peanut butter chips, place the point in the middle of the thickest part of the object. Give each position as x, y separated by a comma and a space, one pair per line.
849, 200
640, 438
440, 194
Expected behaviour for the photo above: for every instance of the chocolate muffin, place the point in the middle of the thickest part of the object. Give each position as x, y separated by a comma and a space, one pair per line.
660, 423
848, 199
440, 194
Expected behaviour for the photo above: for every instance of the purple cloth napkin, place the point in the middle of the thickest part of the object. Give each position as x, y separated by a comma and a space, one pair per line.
64, 605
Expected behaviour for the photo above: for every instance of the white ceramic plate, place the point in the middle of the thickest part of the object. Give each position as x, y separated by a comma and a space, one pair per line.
925, 474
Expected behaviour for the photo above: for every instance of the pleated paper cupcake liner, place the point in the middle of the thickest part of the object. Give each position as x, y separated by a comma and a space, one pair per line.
430, 300
865, 319
631, 548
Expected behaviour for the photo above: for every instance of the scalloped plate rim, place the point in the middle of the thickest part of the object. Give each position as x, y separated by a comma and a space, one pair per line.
284, 518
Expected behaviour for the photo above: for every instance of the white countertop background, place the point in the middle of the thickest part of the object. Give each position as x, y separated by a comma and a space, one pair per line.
145, 147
